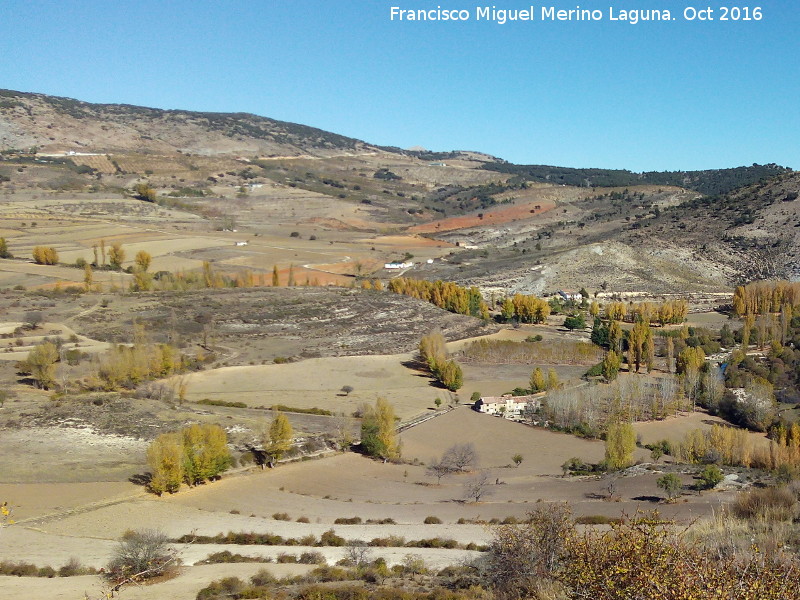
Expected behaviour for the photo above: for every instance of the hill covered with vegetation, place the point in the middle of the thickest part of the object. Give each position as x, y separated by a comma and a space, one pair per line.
709, 182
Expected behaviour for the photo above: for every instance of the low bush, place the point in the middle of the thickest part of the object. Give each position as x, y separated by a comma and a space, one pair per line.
597, 520
388, 521
228, 557
312, 558
766, 504
431, 520
347, 521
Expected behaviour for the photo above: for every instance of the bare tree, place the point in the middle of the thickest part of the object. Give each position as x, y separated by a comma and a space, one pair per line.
140, 555
342, 431
358, 553
461, 457
478, 487
439, 468
611, 487
521, 556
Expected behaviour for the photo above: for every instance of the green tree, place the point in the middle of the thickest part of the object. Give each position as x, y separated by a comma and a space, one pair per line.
279, 439
165, 459
690, 359
577, 321
378, 433
620, 444
710, 476
4, 253
517, 458
611, 365
671, 484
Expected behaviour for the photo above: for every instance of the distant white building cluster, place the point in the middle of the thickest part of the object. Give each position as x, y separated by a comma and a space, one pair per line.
509, 407
570, 295
402, 265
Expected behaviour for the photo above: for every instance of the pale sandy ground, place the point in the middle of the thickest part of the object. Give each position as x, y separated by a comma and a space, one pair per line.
30, 500
344, 485
69, 453
46, 330
318, 381
675, 428
183, 587
17, 272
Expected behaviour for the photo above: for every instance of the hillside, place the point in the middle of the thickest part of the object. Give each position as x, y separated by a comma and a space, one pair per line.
637, 239
55, 124
508, 227
708, 182
755, 229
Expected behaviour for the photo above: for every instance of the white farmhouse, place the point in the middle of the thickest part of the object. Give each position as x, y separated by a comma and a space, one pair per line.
508, 406
570, 295
402, 265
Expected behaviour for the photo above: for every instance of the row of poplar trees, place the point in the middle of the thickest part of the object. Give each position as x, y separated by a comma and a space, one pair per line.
192, 455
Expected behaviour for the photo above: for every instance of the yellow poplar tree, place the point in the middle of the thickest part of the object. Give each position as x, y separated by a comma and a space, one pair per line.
620, 444
165, 458
143, 260
279, 439
537, 382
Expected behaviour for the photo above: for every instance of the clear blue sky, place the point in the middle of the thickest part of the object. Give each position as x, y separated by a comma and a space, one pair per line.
652, 96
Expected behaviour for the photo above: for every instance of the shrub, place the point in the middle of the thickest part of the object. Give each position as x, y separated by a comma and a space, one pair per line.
281, 517
284, 558
140, 555
347, 521
766, 504
671, 484
312, 558
329, 538
73, 567
432, 520
597, 520
710, 476
262, 577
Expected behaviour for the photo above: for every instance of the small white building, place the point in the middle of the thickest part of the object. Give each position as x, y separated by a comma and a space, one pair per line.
241, 243
570, 295
402, 265
508, 406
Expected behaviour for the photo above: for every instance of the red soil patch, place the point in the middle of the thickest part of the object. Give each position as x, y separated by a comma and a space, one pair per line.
495, 216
